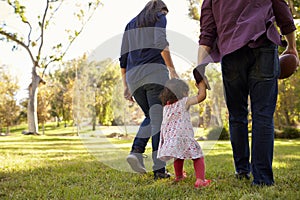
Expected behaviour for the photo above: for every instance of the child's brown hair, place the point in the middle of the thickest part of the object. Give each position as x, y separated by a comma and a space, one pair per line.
174, 90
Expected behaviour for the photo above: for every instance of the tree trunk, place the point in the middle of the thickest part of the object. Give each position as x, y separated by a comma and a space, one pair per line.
293, 9
207, 116
94, 122
57, 121
287, 117
7, 130
32, 103
43, 128
217, 110
278, 120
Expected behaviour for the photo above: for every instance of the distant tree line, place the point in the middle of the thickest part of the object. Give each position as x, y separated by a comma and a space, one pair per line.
91, 94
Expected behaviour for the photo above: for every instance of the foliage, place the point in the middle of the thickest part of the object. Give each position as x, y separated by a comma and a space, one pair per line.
62, 82
94, 91
89, 90
288, 103
22, 118
212, 111
44, 97
217, 106
62, 168
295, 8
9, 110
288, 133
194, 8
106, 84
218, 133
32, 36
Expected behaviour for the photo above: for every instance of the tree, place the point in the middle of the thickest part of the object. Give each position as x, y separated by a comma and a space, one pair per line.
43, 107
62, 84
33, 39
22, 118
106, 84
288, 104
9, 110
97, 83
295, 5
194, 8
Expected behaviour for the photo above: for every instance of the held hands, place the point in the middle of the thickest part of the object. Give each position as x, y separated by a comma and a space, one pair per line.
207, 86
201, 85
199, 75
201, 91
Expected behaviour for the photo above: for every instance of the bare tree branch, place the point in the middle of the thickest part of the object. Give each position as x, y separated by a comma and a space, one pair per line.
71, 41
19, 10
42, 31
10, 36
52, 14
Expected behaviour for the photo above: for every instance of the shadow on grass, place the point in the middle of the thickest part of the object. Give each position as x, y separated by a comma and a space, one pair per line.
76, 174
62, 134
85, 178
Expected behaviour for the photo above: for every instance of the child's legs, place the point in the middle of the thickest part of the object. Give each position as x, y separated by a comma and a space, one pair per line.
199, 167
178, 167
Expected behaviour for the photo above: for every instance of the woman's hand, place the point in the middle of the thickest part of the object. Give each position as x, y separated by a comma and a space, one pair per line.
127, 94
169, 62
173, 73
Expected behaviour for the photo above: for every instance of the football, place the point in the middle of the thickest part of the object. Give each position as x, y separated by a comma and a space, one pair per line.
288, 65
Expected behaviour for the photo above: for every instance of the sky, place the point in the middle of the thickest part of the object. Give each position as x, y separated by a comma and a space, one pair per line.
104, 32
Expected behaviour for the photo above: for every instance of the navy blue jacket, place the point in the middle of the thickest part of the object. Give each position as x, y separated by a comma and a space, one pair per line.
143, 45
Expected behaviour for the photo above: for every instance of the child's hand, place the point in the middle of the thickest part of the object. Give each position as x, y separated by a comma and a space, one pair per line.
202, 84
201, 92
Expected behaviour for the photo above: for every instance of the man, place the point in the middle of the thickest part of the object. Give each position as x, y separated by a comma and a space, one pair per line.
243, 37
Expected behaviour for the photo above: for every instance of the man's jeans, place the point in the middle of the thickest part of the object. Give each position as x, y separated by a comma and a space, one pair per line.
147, 98
252, 72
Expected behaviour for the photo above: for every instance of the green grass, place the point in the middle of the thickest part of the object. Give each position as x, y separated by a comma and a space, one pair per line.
64, 167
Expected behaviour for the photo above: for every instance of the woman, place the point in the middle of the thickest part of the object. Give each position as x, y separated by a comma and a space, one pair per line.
146, 65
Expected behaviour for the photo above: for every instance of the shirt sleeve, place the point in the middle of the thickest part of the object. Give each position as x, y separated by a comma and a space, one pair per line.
283, 16
208, 28
160, 35
124, 49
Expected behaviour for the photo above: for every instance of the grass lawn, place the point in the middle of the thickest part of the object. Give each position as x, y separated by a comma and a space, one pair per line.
60, 166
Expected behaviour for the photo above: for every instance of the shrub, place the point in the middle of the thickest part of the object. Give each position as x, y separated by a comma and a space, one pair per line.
288, 133
218, 133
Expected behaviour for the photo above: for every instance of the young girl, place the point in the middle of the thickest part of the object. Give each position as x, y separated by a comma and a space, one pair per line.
177, 135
